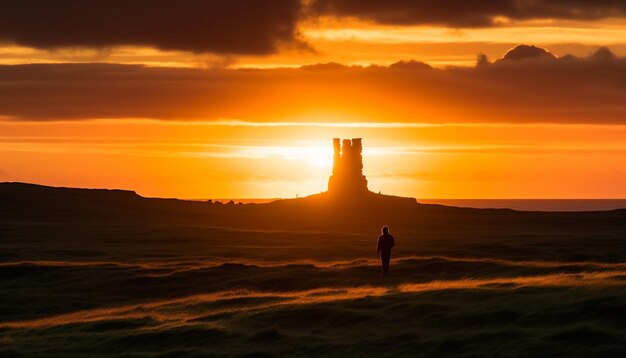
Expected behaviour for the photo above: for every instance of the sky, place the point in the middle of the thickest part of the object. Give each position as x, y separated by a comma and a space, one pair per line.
204, 99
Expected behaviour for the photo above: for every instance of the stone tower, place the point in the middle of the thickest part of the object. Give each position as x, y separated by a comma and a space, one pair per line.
347, 177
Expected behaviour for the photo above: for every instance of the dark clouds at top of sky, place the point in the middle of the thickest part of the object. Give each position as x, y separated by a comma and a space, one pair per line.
468, 13
216, 26
526, 87
235, 27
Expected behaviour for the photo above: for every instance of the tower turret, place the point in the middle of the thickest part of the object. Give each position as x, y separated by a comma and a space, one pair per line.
347, 177
336, 155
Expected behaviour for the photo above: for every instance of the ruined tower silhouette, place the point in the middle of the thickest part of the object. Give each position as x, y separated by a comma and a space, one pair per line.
347, 177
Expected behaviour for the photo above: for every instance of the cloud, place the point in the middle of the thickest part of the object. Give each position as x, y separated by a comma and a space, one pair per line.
533, 88
603, 54
467, 13
201, 26
408, 65
522, 52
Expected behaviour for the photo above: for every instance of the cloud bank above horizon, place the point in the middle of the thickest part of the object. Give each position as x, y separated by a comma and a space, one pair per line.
526, 85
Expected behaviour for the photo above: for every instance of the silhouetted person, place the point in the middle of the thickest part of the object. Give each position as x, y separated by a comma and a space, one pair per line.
385, 243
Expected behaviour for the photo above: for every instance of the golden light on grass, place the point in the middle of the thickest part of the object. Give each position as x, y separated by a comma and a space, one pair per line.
189, 310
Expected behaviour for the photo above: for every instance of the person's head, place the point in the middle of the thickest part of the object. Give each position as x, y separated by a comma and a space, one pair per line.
385, 230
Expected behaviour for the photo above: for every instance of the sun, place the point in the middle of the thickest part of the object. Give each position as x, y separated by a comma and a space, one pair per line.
318, 157
320, 160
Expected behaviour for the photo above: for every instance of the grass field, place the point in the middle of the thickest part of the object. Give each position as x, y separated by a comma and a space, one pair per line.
263, 281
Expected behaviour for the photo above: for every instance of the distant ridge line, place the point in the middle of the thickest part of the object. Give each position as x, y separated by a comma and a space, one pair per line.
13, 190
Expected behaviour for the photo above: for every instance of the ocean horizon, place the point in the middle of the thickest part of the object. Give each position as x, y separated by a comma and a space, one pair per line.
534, 204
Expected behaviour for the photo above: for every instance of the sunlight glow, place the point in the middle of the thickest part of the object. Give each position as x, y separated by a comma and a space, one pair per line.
276, 159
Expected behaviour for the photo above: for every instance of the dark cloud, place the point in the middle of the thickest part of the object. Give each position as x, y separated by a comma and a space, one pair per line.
567, 89
522, 52
467, 13
482, 60
215, 26
603, 54
324, 66
410, 65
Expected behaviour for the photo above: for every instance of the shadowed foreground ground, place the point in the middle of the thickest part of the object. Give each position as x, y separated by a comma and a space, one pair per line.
463, 282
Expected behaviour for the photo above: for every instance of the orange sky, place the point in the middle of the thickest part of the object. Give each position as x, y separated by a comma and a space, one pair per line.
242, 118
204, 160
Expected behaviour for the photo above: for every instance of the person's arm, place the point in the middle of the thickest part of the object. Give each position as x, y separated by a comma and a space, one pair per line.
393, 241
378, 245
